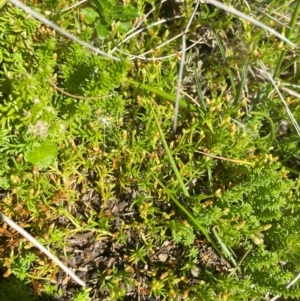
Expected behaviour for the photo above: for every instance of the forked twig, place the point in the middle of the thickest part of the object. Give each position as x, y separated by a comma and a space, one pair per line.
143, 29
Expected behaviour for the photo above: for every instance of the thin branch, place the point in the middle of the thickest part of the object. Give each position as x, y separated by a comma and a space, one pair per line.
54, 26
77, 96
291, 92
143, 29
226, 159
288, 286
240, 262
183, 50
290, 114
145, 18
42, 248
74, 5
238, 13
154, 59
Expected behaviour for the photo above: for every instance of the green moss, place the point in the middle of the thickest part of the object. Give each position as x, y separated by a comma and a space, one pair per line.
14, 291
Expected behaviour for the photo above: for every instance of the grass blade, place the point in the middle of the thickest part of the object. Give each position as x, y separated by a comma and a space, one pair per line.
238, 13
161, 93
186, 193
289, 32
180, 73
199, 91
169, 155
224, 247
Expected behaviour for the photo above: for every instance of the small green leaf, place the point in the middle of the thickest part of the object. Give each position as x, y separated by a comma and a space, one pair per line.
42, 154
109, 6
102, 31
131, 13
4, 184
11, 112
90, 15
108, 17
124, 27
127, 13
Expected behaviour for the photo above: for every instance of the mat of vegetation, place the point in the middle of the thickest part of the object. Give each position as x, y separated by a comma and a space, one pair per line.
91, 168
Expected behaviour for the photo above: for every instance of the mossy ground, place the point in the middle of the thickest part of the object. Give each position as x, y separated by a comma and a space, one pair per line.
91, 167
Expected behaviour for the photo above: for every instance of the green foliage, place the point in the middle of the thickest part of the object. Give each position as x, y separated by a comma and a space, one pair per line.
86, 140
14, 291
21, 265
83, 295
182, 232
87, 74
42, 154
109, 15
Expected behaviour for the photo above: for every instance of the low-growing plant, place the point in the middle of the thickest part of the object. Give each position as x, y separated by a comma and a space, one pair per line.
13, 291
109, 16
209, 212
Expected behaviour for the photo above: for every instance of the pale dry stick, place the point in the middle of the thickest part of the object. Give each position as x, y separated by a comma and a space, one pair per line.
292, 118
191, 98
239, 263
286, 18
226, 159
138, 24
77, 96
213, 2
143, 19
135, 28
238, 13
247, 4
288, 286
182, 59
239, 123
272, 18
54, 26
41, 247
73, 6
291, 92
154, 59
163, 44
289, 85
144, 28
131, 56
285, 5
